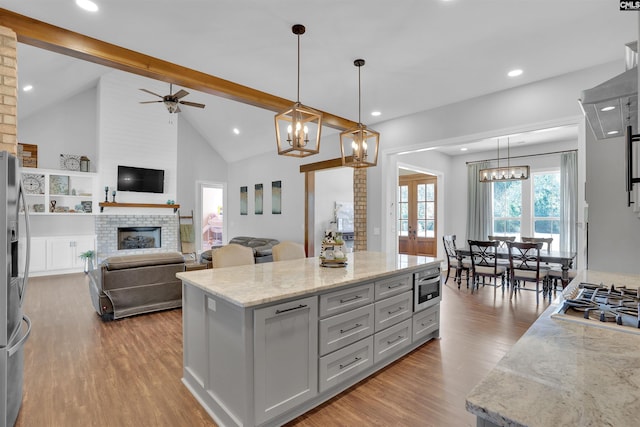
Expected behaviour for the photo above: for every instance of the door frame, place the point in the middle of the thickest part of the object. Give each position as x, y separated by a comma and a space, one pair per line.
421, 176
197, 220
440, 219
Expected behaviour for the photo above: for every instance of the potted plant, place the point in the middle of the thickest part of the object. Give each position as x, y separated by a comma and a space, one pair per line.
87, 256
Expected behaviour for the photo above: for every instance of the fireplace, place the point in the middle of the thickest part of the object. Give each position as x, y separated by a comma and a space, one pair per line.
139, 237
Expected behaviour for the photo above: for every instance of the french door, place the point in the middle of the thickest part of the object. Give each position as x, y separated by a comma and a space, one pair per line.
417, 215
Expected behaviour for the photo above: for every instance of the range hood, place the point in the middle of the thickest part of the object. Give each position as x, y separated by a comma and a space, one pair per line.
613, 105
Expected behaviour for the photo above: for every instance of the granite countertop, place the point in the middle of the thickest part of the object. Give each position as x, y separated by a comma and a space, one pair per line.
252, 285
566, 372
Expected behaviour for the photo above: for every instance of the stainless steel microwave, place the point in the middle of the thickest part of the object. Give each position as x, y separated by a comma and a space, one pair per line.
427, 288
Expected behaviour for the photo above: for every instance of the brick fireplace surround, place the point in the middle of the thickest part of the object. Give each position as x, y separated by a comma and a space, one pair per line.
107, 233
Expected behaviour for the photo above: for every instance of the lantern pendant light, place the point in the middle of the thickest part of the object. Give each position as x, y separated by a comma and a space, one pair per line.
298, 128
510, 173
359, 145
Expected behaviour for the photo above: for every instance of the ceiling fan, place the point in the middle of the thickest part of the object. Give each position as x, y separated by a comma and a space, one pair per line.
172, 102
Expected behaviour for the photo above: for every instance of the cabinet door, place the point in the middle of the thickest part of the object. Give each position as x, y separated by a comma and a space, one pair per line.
82, 244
60, 254
38, 259
285, 356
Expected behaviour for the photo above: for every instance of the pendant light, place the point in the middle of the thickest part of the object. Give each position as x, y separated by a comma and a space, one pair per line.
510, 173
298, 128
359, 145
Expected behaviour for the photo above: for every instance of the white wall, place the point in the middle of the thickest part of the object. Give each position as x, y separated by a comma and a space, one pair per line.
614, 229
132, 134
332, 185
67, 128
541, 104
197, 161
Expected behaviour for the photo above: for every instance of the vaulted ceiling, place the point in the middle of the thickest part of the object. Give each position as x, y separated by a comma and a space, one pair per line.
420, 54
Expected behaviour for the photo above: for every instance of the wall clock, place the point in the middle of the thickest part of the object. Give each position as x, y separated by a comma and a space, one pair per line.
33, 183
70, 162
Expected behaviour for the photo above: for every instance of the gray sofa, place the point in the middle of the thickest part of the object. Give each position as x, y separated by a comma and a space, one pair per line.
261, 249
134, 284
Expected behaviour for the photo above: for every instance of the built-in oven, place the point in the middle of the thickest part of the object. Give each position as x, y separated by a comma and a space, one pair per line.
427, 288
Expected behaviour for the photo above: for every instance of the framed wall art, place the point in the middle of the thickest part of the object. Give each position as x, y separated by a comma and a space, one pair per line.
244, 199
258, 196
276, 197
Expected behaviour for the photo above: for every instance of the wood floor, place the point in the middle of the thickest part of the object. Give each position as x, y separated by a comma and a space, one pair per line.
79, 371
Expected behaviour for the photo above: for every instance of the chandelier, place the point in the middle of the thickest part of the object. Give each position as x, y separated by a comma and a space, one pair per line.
298, 128
362, 141
508, 173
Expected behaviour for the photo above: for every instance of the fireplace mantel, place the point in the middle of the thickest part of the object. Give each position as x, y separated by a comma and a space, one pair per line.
137, 205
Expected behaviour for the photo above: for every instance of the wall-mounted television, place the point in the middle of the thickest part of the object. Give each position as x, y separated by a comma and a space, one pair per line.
140, 179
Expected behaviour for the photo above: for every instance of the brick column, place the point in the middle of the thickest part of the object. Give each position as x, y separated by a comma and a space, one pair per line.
8, 91
360, 208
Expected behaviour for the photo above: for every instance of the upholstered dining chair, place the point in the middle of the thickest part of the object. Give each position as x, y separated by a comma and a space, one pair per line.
449, 242
484, 263
288, 250
554, 274
232, 255
524, 266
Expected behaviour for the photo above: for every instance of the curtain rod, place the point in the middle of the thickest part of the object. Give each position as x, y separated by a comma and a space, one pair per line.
522, 156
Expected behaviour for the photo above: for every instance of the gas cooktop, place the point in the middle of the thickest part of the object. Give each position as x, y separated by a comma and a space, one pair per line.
615, 307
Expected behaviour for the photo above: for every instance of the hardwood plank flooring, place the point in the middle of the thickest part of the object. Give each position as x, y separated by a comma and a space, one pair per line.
80, 371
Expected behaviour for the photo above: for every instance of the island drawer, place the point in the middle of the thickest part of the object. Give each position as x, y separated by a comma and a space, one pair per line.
346, 328
345, 363
425, 322
393, 310
392, 339
345, 299
393, 286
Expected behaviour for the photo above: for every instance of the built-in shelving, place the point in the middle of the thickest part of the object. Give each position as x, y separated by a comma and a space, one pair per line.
56, 192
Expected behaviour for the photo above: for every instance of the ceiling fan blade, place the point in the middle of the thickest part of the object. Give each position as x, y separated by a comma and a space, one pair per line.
192, 104
181, 94
149, 102
148, 91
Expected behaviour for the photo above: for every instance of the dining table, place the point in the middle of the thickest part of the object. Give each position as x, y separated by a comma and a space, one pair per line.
562, 258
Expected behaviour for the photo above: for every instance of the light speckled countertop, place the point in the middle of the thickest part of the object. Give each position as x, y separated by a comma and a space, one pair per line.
565, 372
251, 285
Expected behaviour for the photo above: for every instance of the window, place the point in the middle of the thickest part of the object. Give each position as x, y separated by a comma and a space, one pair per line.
528, 208
426, 209
403, 210
507, 208
546, 206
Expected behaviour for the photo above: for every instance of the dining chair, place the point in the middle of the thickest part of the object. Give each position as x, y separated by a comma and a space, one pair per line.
449, 242
502, 244
555, 270
484, 263
232, 255
524, 266
288, 250
544, 240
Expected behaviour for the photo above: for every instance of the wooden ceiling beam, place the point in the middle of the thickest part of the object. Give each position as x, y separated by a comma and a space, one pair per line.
49, 37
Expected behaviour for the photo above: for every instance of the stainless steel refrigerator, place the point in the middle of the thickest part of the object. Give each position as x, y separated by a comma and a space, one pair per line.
12, 289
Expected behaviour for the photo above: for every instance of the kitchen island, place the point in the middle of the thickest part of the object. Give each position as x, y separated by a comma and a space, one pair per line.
566, 371
265, 343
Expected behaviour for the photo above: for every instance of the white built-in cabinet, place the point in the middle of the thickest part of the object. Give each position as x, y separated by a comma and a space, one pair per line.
56, 254
285, 356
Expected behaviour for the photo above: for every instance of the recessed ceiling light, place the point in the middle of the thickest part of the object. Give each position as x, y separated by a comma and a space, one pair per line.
464, 149
514, 73
612, 132
87, 5
609, 108
375, 113
236, 131
27, 88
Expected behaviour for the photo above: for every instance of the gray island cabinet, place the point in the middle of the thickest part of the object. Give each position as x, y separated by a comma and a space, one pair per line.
265, 343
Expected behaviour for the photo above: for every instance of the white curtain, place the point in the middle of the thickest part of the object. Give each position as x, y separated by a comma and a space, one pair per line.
569, 201
478, 204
